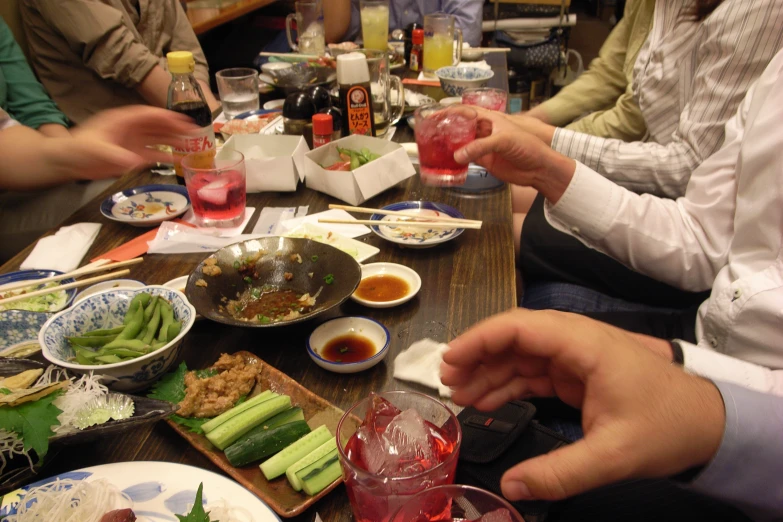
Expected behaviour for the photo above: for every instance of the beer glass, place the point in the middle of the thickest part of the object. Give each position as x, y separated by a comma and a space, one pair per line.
439, 33
309, 19
388, 97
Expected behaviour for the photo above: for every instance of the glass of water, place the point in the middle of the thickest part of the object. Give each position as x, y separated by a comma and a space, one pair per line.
238, 90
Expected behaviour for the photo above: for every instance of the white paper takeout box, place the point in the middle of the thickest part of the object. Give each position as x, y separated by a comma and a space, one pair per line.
272, 163
359, 185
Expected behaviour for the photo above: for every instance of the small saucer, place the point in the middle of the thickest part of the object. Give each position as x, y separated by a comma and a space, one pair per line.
146, 206
334, 328
403, 272
417, 237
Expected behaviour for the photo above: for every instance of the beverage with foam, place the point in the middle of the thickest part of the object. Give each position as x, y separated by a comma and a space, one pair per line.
440, 132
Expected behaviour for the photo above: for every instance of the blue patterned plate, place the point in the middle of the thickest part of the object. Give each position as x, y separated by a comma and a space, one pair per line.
160, 490
417, 237
146, 206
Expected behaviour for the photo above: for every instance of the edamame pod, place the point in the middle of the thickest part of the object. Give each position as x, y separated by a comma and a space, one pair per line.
152, 326
110, 331
140, 347
150, 309
92, 342
134, 325
173, 331
142, 299
166, 319
108, 359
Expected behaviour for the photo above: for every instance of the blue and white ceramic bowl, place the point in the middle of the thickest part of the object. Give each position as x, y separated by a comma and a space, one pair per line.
368, 328
454, 80
146, 206
32, 275
106, 310
417, 237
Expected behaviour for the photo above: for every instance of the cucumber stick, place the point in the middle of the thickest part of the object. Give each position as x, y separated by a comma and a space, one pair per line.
308, 459
276, 466
236, 410
294, 414
228, 432
257, 445
318, 475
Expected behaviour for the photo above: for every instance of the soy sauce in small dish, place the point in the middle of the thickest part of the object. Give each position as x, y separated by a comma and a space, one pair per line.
382, 288
349, 348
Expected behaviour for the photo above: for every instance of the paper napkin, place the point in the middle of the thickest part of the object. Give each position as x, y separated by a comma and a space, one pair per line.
175, 238
351, 231
64, 250
190, 217
271, 218
421, 364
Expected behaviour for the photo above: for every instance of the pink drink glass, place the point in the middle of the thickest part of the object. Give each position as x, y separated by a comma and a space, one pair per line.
440, 131
216, 188
375, 497
487, 98
456, 502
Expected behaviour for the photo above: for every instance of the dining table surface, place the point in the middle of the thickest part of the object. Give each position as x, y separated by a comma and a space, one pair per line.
463, 281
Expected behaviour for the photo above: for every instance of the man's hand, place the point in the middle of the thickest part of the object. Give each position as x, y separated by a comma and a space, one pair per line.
534, 125
642, 417
520, 158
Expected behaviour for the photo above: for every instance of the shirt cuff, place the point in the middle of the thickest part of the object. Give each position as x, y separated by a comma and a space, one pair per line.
746, 467
588, 207
710, 364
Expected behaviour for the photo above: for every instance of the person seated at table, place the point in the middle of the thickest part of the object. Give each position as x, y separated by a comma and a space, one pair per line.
642, 416
689, 78
604, 93
468, 16
105, 146
723, 235
93, 55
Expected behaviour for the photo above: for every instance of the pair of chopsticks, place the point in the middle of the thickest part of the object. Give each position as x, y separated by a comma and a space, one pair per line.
487, 49
422, 221
97, 266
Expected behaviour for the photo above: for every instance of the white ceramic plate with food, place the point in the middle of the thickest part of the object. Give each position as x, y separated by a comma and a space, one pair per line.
417, 236
356, 249
146, 206
385, 285
158, 491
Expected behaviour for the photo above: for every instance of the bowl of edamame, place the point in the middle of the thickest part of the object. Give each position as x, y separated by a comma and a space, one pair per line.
132, 336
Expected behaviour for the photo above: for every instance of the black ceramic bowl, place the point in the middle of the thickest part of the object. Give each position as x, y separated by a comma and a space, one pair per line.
276, 260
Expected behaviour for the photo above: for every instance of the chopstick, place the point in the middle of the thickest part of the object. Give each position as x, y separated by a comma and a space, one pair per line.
97, 266
488, 49
428, 224
365, 210
289, 55
75, 284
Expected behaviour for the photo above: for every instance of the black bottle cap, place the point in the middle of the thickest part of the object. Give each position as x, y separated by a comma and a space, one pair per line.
298, 106
320, 97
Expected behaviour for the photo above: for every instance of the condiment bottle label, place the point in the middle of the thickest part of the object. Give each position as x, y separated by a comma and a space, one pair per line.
414, 62
201, 141
359, 111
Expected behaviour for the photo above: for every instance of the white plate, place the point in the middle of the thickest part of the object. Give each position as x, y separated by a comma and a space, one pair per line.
403, 272
178, 283
160, 490
274, 104
108, 285
356, 249
417, 237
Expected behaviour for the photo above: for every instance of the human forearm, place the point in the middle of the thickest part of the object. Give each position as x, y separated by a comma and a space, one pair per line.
37, 156
54, 130
337, 18
211, 100
154, 87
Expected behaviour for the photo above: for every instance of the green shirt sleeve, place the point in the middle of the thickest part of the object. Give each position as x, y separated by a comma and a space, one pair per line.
21, 95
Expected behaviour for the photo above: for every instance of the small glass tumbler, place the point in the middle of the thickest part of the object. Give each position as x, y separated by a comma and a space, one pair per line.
375, 497
440, 131
238, 90
455, 502
216, 186
487, 98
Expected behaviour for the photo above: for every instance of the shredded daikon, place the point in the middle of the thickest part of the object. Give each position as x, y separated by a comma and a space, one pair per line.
76, 396
222, 511
10, 445
70, 500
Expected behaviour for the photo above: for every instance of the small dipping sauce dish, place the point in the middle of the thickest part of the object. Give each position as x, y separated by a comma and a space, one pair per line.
348, 344
384, 285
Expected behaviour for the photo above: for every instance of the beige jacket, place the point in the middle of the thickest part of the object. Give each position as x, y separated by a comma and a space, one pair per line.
91, 54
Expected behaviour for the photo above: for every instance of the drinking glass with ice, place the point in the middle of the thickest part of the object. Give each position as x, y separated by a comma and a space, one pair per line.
453, 503
407, 442
440, 131
216, 188
487, 98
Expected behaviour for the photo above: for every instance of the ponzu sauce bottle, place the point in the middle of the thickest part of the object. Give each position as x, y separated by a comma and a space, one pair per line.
185, 96
353, 76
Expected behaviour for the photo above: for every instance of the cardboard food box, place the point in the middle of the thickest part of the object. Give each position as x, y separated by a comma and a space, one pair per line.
361, 184
272, 163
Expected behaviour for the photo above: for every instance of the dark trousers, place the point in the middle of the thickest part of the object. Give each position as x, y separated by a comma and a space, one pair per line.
546, 254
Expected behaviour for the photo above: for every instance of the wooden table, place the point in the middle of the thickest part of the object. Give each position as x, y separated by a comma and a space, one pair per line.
208, 14
463, 282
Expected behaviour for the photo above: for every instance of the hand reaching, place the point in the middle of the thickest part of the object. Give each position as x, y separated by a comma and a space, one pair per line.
642, 417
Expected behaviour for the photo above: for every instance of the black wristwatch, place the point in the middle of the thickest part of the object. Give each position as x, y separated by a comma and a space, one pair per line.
677, 356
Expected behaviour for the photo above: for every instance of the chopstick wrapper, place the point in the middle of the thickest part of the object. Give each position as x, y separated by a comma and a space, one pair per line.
420, 363
64, 250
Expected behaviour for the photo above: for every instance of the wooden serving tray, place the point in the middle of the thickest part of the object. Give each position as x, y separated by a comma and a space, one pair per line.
278, 493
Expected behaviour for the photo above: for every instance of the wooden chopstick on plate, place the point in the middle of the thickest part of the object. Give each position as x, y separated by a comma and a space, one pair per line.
403, 213
406, 223
488, 49
98, 266
75, 284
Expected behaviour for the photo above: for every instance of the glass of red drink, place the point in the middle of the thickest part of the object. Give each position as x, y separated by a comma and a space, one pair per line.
408, 442
440, 131
216, 186
487, 98
455, 502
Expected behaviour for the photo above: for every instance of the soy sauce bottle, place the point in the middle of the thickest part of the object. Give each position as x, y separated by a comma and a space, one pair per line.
185, 96
353, 76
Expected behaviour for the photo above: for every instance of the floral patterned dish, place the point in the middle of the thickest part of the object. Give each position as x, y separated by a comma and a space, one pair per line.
146, 206
106, 310
161, 490
417, 237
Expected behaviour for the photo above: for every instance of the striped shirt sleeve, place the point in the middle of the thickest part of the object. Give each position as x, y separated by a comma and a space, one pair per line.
735, 45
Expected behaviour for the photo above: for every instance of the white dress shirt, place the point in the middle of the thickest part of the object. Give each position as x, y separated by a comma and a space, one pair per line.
689, 79
726, 233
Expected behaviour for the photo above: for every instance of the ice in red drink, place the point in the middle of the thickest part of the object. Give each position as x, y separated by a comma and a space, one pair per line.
440, 132
487, 98
456, 503
217, 194
397, 452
